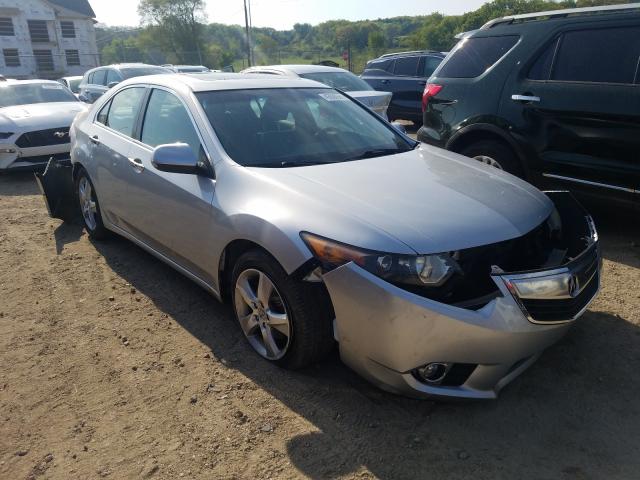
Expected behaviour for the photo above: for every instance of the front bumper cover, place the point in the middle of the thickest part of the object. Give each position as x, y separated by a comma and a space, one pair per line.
385, 333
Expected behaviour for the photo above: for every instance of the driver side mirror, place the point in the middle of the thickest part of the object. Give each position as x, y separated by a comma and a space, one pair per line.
112, 84
176, 158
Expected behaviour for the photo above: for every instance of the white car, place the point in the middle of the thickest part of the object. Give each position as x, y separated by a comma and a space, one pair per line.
35, 116
338, 78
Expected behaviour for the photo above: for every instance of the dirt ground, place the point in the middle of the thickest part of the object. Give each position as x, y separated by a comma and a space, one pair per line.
113, 365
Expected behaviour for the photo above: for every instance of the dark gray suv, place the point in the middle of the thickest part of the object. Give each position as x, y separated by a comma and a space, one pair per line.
405, 75
98, 80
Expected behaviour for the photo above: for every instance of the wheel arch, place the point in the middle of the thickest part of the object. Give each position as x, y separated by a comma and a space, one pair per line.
483, 131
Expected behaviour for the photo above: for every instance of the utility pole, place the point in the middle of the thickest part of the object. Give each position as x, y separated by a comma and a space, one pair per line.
246, 22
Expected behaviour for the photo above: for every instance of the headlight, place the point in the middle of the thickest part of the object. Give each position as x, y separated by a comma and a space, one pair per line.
420, 270
5, 135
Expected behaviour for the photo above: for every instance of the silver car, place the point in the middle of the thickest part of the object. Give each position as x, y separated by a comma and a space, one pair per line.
321, 223
334, 77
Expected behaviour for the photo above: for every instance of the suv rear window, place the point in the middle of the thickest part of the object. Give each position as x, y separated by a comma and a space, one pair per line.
474, 56
606, 55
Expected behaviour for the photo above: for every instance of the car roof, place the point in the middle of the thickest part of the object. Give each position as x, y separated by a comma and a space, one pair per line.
296, 69
204, 82
74, 77
126, 65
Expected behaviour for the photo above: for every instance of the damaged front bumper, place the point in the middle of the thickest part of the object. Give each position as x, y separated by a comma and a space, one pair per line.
388, 334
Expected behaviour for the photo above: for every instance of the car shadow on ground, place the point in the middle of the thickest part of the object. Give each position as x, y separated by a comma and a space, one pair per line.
573, 415
18, 184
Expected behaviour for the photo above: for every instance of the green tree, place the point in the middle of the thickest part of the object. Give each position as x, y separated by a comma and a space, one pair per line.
376, 42
177, 25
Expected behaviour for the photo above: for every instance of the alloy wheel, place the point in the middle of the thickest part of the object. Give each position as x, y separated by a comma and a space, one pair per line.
262, 314
87, 203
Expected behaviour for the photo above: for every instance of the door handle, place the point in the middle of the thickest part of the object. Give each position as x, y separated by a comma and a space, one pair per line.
384, 82
422, 82
525, 98
95, 140
136, 163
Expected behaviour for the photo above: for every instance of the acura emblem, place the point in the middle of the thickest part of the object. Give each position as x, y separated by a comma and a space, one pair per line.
60, 134
573, 286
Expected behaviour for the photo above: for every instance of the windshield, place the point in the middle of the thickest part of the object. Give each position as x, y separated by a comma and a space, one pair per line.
142, 71
27, 93
290, 127
345, 81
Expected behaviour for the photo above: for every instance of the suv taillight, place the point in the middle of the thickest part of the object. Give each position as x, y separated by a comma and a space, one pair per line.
431, 90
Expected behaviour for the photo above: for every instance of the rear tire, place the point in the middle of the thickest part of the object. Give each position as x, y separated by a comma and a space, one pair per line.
89, 206
284, 320
495, 154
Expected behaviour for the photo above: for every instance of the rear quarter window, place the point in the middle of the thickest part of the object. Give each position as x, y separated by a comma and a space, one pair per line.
471, 57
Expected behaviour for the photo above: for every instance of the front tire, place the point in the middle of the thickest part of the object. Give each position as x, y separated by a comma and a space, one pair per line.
283, 319
89, 206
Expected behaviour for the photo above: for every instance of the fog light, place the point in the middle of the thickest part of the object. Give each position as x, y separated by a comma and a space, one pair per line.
432, 372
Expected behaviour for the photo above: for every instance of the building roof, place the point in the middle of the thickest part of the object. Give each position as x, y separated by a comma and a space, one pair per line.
79, 6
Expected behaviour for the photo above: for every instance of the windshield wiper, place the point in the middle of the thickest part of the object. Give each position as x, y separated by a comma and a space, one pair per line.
377, 152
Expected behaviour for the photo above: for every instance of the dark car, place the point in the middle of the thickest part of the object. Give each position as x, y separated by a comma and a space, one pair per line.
405, 75
98, 80
553, 98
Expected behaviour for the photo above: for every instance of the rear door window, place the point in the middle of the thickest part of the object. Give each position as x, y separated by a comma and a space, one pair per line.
605, 55
473, 56
406, 66
123, 111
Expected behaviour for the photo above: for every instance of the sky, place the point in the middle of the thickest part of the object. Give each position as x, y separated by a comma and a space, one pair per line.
282, 14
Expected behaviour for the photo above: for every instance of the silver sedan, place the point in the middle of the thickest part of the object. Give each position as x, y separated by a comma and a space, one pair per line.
320, 223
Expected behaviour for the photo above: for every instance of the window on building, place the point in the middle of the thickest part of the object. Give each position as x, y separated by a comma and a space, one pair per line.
68, 29
6, 27
44, 60
73, 57
11, 57
38, 31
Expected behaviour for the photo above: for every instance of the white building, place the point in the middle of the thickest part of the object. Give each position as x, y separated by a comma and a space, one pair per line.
47, 38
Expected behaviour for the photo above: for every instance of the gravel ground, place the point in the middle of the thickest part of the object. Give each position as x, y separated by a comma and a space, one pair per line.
115, 366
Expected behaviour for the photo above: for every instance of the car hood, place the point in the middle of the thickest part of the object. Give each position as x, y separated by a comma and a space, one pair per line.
429, 199
372, 98
39, 115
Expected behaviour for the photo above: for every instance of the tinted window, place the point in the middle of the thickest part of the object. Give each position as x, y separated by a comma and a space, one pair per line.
167, 121
604, 55
345, 81
472, 57
112, 76
430, 64
142, 71
285, 127
99, 77
381, 65
124, 110
406, 66
541, 69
